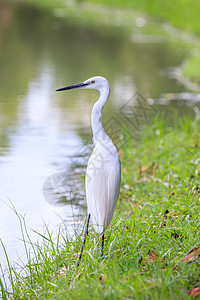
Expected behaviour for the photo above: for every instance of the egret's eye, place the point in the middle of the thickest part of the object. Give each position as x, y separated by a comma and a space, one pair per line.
93, 81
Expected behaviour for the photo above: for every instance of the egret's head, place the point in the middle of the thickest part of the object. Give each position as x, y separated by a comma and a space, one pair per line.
97, 83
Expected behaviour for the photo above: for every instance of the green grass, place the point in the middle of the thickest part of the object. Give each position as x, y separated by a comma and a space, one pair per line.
158, 210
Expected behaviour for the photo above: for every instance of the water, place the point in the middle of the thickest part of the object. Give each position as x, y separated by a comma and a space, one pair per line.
42, 132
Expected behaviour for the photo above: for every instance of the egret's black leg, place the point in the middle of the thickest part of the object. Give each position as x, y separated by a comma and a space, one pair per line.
86, 233
102, 244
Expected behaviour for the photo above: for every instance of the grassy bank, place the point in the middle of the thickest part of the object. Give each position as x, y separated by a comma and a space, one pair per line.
155, 226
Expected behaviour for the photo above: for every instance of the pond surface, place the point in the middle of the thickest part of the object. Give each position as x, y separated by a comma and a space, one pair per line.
42, 133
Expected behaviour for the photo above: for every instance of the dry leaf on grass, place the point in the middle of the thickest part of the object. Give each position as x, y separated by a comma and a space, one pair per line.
178, 236
102, 278
167, 216
152, 256
194, 291
192, 255
150, 170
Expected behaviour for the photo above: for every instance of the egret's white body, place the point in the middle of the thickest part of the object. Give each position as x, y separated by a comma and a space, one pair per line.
103, 175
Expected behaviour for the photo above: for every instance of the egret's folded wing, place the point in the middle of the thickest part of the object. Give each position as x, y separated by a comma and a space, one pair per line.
102, 191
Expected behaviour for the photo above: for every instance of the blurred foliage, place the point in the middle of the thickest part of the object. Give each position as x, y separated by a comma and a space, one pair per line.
191, 68
183, 14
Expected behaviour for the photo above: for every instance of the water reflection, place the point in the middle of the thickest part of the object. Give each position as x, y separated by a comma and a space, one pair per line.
41, 131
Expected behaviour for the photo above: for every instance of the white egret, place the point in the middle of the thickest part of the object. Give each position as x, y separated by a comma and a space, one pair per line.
103, 175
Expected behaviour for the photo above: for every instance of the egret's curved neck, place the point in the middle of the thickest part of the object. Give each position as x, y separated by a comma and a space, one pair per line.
99, 134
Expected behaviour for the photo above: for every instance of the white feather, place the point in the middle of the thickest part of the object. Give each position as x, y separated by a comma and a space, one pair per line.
103, 177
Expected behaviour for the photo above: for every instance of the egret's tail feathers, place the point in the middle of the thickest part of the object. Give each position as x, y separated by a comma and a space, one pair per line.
99, 226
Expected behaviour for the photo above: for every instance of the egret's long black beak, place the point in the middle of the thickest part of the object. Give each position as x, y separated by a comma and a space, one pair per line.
74, 86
